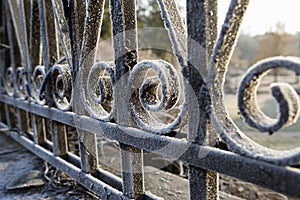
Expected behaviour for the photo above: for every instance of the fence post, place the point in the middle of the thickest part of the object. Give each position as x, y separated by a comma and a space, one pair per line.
76, 25
39, 129
202, 31
124, 24
85, 31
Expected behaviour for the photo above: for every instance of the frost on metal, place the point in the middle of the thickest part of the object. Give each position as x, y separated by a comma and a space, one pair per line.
286, 97
97, 90
176, 29
145, 95
53, 81
235, 139
62, 92
37, 80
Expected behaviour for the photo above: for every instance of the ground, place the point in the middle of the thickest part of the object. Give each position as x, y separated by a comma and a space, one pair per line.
25, 176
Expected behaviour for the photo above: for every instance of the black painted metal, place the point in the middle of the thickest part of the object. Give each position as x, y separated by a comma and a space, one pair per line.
50, 82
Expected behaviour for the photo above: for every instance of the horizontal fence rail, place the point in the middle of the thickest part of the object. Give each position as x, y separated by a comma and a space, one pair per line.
54, 87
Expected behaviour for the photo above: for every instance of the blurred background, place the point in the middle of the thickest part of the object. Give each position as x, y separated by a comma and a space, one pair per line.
270, 28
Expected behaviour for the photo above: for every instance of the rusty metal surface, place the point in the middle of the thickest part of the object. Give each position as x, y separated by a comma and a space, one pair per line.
52, 84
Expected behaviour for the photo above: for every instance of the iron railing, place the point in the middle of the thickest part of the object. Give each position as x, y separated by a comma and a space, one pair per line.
52, 84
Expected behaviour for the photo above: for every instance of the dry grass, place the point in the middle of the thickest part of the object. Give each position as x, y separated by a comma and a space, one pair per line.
285, 138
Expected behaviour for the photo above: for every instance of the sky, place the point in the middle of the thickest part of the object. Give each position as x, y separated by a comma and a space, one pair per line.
263, 15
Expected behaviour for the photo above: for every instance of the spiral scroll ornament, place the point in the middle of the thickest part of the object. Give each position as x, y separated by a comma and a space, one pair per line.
153, 94
37, 80
97, 90
9, 82
21, 82
62, 87
236, 140
286, 97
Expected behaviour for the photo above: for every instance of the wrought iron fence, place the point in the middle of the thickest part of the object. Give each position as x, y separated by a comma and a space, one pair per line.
51, 84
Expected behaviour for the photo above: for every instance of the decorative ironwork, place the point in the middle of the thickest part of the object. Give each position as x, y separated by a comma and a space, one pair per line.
98, 90
144, 98
66, 85
285, 95
37, 78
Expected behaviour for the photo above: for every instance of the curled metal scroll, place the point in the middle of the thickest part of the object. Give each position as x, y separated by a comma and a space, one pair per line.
152, 94
235, 139
9, 82
97, 90
37, 80
286, 96
21, 83
61, 81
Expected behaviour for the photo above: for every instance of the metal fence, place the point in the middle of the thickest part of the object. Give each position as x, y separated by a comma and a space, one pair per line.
52, 84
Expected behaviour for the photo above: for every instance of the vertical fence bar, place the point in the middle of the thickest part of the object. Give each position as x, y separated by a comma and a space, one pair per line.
15, 15
14, 54
123, 16
203, 184
49, 43
132, 170
23, 120
34, 36
50, 55
86, 141
26, 10
18, 14
39, 129
76, 18
202, 30
12, 114
88, 152
24, 25
86, 58
59, 138
37, 122
7, 116
2, 32
4, 47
